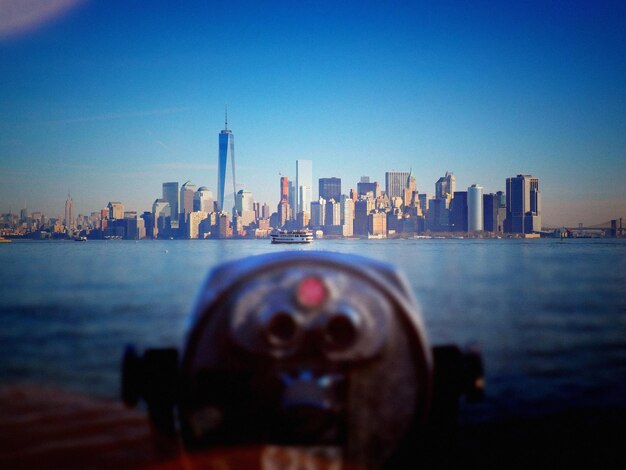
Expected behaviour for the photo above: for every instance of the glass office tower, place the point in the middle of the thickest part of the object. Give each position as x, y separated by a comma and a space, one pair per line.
170, 194
225, 173
304, 185
475, 208
523, 209
395, 182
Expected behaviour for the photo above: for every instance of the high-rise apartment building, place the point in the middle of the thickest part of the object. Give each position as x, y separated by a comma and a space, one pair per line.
330, 188
523, 206
475, 208
284, 189
226, 156
395, 183
69, 212
170, 194
304, 185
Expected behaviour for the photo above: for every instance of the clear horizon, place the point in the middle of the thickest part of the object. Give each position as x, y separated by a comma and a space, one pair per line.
110, 100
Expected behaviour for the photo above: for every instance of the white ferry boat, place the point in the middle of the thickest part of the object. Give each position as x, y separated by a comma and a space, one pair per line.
292, 236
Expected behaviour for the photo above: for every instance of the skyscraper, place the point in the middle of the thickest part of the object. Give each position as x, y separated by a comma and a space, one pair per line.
332, 215
395, 182
116, 210
203, 200
244, 205
523, 208
226, 154
475, 208
284, 189
304, 185
365, 186
187, 191
424, 199
292, 198
347, 216
161, 208
318, 213
445, 186
170, 194
458, 211
362, 209
69, 212
285, 210
330, 188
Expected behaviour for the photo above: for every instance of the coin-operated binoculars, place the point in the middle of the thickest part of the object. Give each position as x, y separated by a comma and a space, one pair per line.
305, 348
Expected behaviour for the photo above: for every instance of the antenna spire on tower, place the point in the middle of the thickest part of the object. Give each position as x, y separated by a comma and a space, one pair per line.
225, 117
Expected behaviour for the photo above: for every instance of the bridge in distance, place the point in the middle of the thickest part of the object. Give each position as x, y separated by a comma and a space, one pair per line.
611, 228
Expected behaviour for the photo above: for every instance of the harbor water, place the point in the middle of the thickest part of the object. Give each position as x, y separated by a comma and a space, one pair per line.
549, 316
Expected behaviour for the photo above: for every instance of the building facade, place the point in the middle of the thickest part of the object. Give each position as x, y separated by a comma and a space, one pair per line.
304, 185
458, 212
318, 213
333, 213
330, 188
226, 169
445, 186
116, 210
475, 211
523, 207
284, 189
244, 205
365, 187
187, 192
395, 183
203, 200
69, 212
170, 194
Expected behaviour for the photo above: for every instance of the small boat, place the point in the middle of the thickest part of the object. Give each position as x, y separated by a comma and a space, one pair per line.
292, 236
5, 240
80, 239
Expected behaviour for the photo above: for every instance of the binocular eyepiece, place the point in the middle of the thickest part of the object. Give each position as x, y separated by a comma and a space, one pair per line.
304, 348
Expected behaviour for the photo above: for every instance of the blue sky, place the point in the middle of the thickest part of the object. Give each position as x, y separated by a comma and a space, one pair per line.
110, 99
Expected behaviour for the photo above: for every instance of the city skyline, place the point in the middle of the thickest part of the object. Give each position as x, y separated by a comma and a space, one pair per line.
111, 101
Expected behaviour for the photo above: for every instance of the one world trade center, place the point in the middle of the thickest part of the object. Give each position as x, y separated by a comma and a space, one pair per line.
226, 155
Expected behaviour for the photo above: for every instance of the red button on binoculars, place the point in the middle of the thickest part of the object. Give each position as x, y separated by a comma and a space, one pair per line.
311, 292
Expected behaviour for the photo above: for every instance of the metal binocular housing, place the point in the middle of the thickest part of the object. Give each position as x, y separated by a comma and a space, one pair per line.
305, 348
